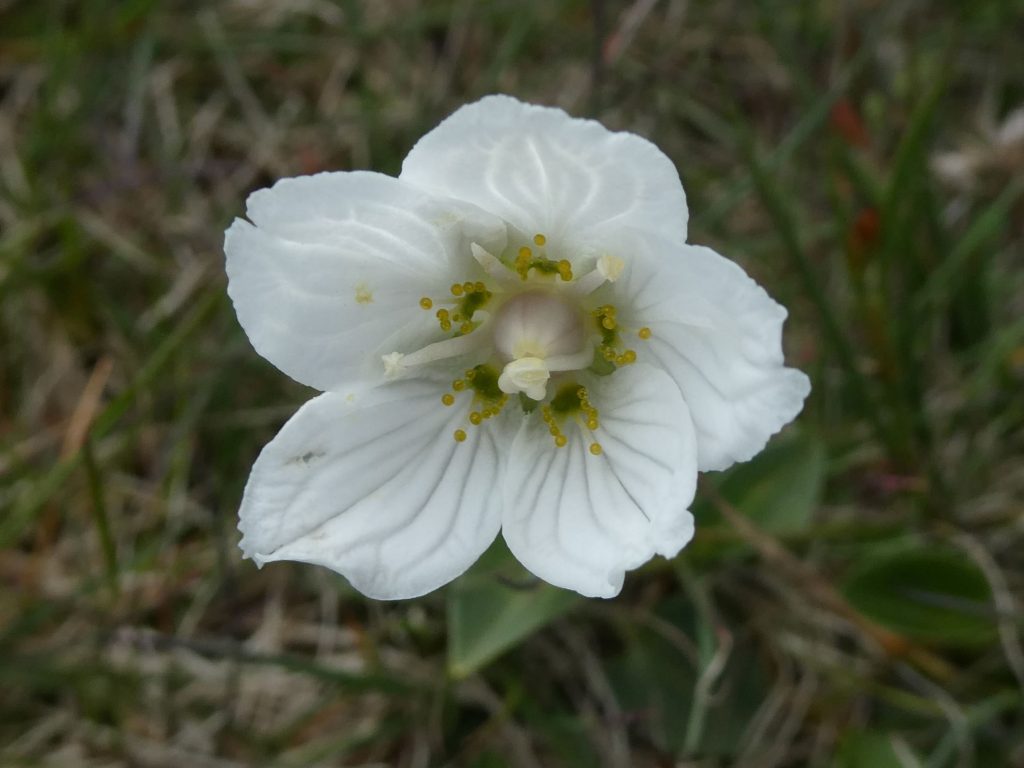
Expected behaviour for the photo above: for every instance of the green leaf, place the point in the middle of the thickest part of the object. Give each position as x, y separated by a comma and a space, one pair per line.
870, 749
931, 595
779, 489
491, 611
657, 684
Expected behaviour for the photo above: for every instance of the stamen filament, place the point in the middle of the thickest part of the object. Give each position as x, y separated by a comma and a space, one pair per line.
607, 270
396, 362
493, 266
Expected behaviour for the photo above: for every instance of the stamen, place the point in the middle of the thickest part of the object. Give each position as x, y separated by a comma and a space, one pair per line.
547, 413
589, 410
570, 400
460, 435
523, 261
396, 362
393, 363
426, 303
448, 398
493, 266
610, 348
595, 449
539, 239
608, 269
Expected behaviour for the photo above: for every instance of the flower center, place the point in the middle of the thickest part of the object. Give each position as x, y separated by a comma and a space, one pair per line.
538, 333
544, 323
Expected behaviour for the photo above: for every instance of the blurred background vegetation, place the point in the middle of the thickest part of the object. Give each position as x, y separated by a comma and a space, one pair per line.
852, 597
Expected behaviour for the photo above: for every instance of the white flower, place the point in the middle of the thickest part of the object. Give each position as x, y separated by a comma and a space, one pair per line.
514, 335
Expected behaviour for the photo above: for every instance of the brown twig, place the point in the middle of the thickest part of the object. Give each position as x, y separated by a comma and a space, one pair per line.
815, 585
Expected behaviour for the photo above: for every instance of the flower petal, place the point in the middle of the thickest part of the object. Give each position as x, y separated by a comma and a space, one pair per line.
580, 521
719, 335
543, 171
372, 485
330, 274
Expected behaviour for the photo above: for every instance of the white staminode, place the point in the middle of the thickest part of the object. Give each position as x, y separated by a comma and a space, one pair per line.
539, 334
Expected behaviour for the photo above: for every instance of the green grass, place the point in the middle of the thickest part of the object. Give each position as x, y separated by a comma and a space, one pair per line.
852, 597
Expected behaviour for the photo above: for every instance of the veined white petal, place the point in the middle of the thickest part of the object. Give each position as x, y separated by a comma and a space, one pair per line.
329, 275
545, 172
719, 335
580, 521
311, 208
373, 486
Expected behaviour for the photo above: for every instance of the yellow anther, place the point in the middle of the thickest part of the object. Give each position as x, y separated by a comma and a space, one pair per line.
592, 424
468, 286
448, 398
465, 328
470, 374
629, 356
475, 418
644, 333
457, 317
456, 289
446, 326
565, 270
426, 303
458, 385
442, 314
561, 440
479, 287
608, 353
523, 261
608, 323
595, 449
460, 435
539, 239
